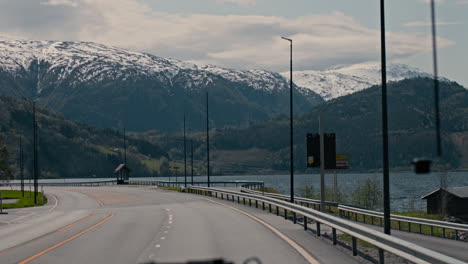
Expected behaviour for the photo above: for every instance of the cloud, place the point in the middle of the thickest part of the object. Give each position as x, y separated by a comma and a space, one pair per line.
238, 41
245, 3
428, 24
70, 3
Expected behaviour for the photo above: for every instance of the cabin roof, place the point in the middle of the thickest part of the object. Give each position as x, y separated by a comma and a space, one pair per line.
461, 192
121, 167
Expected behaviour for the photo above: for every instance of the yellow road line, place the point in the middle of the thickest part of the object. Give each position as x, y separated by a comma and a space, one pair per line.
293, 244
75, 223
65, 241
34, 239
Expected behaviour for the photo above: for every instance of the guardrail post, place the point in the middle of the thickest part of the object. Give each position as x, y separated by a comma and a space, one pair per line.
372, 219
334, 236
305, 223
222, 196
285, 213
409, 227
263, 206
399, 226
250, 202
443, 232
355, 217
256, 204
269, 207
432, 230
456, 234
238, 199
381, 256
420, 228
354, 242
317, 224
294, 218
277, 210
243, 199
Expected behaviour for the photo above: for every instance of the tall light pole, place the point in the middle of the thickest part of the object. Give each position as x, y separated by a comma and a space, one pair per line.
125, 146
185, 157
207, 142
436, 78
21, 164
35, 162
386, 173
291, 143
191, 157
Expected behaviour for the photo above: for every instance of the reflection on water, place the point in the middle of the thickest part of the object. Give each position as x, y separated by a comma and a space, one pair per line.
406, 189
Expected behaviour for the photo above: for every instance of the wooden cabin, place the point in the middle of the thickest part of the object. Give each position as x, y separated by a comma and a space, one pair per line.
456, 202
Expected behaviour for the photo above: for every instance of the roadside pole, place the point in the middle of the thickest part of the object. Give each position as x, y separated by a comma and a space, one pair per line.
1, 204
322, 165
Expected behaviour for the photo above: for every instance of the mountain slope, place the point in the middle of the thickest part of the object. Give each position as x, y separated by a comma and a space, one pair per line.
68, 149
109, 87
340, 81
356, 120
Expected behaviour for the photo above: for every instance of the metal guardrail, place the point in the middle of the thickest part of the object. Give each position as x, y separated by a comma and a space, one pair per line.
73, 184
297, 199
346, 210
409, 251
254, 184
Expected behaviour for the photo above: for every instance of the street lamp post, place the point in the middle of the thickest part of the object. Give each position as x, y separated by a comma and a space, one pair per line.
35, 162
21, 163
191, 158
207, 143
291, 146
185, 158
436, 78
291, 138
386, 176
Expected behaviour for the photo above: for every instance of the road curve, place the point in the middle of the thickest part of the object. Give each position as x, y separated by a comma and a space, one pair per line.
140, 225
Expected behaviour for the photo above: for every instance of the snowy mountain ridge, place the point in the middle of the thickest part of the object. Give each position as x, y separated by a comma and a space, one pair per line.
343, 80
96, 62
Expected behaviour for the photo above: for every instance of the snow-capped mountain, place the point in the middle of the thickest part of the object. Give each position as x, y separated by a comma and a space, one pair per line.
87, 61
105, 86
340, 81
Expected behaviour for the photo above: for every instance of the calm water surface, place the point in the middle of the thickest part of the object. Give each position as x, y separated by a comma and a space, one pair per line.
406, 189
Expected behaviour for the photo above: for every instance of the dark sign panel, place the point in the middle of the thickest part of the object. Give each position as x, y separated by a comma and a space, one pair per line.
330, 151
313, 150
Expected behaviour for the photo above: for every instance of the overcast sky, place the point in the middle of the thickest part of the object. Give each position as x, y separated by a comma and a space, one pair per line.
246, 33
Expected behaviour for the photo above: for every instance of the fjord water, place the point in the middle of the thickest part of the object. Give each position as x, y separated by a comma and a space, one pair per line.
406, 188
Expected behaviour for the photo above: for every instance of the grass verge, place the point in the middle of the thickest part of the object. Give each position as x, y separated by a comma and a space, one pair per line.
26, 201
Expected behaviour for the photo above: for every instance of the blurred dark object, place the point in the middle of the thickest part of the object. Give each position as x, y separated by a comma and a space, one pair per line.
215, 261
422, 165
252, 260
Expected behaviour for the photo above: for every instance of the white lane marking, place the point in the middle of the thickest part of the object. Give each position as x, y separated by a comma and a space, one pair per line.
293, 244
165, 232
56, 202
170, 222
162, 238
157, 246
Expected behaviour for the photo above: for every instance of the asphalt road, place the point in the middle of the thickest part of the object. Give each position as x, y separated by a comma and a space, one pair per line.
143, 224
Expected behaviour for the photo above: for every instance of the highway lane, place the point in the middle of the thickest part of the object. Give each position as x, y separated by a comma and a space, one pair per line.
141, 224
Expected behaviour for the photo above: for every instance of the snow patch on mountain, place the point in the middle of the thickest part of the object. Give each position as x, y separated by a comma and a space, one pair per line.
92, 62
344, 80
